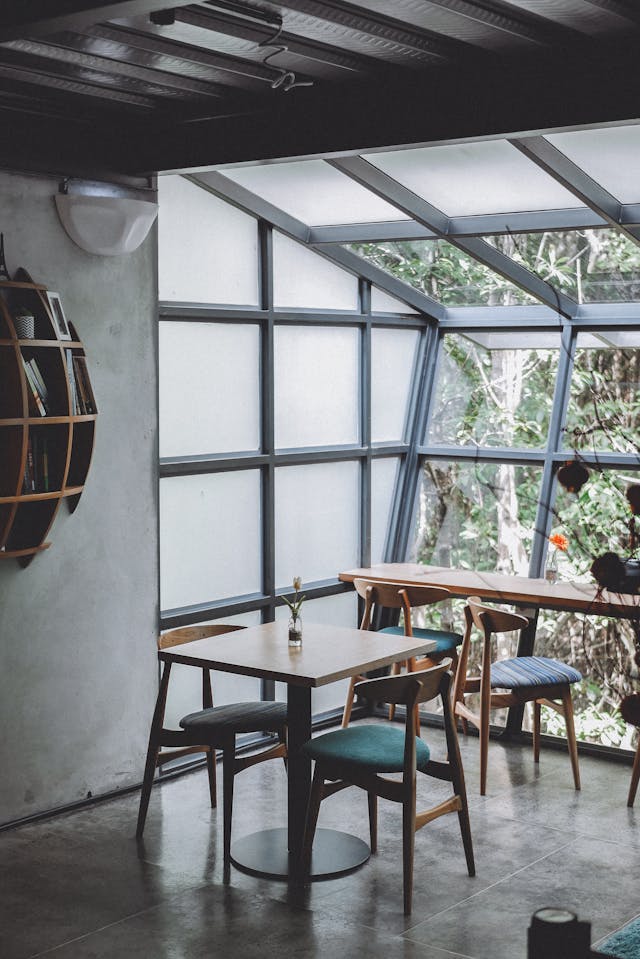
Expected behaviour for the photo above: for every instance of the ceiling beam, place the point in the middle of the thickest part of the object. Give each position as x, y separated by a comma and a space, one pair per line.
574, 179
419, 43
37, 18
399, 196
243, 199
620, 8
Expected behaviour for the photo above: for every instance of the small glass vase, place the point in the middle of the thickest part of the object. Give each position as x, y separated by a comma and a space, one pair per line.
551, 571
295, 632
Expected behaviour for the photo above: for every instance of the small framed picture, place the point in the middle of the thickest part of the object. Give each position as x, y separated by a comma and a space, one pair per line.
59, 319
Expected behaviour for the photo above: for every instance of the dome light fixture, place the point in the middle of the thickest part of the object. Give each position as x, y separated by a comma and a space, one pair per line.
105, 225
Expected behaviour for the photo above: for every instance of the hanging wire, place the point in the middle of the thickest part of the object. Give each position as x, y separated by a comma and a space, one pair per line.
287, 78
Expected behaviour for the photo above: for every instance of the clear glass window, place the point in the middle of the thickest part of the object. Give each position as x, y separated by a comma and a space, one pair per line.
499, 394
477, 516
443, 272
604, 405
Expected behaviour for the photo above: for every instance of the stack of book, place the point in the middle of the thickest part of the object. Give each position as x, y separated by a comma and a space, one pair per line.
38, 393
82, 398
36, 470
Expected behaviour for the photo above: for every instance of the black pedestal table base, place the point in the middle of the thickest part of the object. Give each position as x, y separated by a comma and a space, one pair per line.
266, 854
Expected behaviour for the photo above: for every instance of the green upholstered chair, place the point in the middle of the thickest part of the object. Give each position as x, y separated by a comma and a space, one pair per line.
366, 754
406, 598
208, 729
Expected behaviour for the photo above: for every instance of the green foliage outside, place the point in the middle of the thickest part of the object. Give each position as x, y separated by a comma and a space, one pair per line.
483, 515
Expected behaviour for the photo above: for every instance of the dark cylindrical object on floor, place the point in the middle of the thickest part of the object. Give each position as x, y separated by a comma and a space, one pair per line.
558, 934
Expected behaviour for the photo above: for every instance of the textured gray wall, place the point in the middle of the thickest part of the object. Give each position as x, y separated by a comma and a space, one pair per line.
77, 627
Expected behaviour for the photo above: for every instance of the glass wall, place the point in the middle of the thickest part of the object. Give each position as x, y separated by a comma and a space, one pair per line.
313, 420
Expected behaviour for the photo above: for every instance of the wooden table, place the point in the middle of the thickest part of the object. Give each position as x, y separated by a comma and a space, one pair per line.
328, 653
528, 595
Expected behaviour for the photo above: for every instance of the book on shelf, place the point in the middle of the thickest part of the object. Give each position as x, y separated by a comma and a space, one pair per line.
73, 388
39, 379
36, 403
86, 399
36, 469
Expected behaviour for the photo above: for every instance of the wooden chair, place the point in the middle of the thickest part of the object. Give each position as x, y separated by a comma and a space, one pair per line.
522, 679
360, 754
630, 709
211, 728
394, 596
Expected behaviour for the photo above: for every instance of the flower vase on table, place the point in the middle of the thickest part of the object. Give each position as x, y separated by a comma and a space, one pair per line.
295, 620
559, 544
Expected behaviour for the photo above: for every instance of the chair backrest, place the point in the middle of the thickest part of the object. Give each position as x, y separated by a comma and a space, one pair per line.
396, 596
408, 688
190, 634
490, 620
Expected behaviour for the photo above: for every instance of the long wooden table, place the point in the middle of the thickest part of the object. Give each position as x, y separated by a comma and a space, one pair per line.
327, 654
528, 595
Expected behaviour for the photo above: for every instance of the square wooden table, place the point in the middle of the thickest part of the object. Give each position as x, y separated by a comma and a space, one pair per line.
327, 654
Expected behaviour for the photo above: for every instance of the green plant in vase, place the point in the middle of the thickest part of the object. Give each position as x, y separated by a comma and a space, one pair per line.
295, 619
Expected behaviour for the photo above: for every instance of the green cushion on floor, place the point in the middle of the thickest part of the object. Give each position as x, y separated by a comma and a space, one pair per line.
376, 748
444, 640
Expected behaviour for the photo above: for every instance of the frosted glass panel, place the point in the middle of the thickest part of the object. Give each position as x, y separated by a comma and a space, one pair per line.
610, 156
210, 541
340, 610
381, 302
383, 479
392, 360
317, 521
185, 686
208, 250
302, 279
209, 388
474, 178
316, 386
315, 193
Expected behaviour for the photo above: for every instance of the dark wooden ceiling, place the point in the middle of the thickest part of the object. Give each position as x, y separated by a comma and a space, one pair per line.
90, 88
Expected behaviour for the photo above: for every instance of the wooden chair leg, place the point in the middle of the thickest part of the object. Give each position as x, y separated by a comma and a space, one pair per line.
567, 702
408, 842
348, 706
228, 764
537, 709
395, 671
311, 821
147, 783
373, 821
484, 742
211, 771
635, 777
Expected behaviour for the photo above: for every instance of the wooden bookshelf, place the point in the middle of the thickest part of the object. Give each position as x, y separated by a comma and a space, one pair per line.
47, 423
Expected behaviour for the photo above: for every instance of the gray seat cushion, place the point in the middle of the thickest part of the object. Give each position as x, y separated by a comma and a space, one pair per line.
237, 718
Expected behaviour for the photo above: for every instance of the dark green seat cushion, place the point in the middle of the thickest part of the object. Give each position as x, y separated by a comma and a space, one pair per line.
445, 642
374, 748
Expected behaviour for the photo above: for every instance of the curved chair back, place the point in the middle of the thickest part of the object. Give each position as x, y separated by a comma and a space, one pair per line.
408, 688
490, 620
190, 634
396, 596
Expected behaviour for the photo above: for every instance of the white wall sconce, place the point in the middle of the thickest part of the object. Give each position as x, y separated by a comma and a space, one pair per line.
105, 225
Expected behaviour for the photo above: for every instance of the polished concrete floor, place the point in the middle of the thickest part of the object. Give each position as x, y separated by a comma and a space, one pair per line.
78, 886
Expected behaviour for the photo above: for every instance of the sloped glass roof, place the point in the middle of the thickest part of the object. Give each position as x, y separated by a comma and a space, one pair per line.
610, 155
315, 193
469, 179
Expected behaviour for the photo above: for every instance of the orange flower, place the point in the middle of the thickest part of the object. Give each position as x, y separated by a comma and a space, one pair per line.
559, 541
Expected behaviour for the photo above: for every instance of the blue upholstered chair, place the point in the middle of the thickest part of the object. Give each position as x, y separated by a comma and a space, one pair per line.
365, 754
384, 595
208, 729
522, 679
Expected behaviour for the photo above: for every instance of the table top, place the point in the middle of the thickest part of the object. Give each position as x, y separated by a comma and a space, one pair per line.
328, 653
501, 587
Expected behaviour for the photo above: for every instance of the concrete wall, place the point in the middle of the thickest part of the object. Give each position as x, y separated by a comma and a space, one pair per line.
77, 627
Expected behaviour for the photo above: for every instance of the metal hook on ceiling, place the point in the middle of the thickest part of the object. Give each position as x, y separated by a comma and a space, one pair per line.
287, 79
